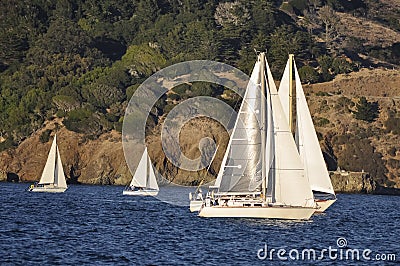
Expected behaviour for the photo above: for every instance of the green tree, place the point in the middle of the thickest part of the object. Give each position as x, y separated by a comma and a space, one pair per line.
367, 111
308, 74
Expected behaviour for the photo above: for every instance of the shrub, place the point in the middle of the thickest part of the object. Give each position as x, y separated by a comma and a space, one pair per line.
61, 113
344, 103
392, 124
322, 93
358, 154
181, 89
174, 97
7, 144
392, 151
85, 121
45, 136
340, 65
367, 111
308, 74
321, 121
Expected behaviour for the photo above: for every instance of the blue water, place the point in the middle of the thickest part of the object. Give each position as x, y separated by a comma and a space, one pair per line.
97, 225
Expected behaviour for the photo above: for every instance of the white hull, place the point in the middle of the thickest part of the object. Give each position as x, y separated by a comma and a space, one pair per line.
48, 189
324, 204
275, 212
140, 192
195, 205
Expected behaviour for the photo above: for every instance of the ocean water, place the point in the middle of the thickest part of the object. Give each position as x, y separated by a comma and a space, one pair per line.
97, 225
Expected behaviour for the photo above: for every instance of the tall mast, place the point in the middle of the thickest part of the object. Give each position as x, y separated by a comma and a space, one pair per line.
263, 126
147, 168
291, 56
55, 178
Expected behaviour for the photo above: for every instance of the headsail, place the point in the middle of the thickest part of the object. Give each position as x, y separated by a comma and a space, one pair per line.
152, 180
308, 145
290, 186
59, 173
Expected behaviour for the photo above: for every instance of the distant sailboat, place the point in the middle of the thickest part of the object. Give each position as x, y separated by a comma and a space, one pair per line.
144, 182
262, 175
306, 137
53, 178
196, 198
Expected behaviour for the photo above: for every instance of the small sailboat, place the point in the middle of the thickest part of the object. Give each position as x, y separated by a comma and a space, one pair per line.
144, 182
53, 178
306, 137
196, 198
262, 175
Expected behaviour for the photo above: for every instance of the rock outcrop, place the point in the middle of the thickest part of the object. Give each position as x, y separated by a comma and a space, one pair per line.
3, 176
359, 182
353, 182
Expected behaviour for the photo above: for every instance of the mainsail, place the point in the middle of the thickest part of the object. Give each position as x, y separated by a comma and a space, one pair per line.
284, 90
241, 165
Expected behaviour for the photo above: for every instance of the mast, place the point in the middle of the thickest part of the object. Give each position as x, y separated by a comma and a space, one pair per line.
263, 125
55, 170
291, 56
147, 169
56, 167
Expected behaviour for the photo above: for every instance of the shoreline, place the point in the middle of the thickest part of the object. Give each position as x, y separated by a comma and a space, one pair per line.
379, 190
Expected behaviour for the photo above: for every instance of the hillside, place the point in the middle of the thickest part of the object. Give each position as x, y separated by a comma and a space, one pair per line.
348, 143
359, 145
72, 68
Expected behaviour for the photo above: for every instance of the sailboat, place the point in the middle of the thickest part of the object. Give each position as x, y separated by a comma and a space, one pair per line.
196, 198
262, 175
53, 178
306, 137
144, 182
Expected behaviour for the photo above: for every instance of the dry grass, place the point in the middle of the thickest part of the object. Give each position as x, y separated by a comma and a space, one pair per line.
372, 33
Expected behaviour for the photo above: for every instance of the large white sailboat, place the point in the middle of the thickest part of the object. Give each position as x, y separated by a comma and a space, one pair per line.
144, 182
262, 174
305, 136
53, 178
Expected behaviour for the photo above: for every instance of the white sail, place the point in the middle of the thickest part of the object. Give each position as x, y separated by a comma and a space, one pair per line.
140, 177
284, 90
291, 186
49, 169
152, 181
59, 173
241, 166
308, 145
270, 140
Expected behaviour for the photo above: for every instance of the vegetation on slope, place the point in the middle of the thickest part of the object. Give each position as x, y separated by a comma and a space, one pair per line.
82, 60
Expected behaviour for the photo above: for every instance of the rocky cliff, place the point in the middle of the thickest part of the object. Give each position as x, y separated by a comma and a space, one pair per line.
359, 182
353, 182
86, 161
